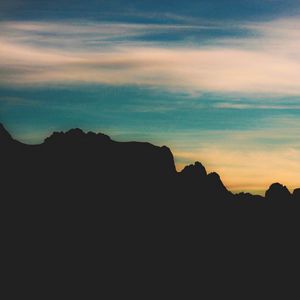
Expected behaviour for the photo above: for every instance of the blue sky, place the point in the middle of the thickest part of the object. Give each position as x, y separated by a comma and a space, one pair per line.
138, 10
217, 81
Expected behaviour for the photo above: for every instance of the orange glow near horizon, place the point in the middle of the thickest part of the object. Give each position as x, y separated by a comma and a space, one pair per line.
248, 171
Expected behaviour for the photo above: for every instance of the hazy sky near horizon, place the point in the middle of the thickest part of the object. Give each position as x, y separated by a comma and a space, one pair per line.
216, 80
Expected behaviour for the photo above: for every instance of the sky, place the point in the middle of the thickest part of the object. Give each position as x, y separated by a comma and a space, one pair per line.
218, 81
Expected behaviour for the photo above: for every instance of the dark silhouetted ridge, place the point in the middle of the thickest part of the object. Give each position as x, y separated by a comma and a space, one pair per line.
278, 191
80, 204
75, 163
5, 137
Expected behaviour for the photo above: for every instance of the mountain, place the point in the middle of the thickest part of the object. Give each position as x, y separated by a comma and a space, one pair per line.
5, 137
81, 204
73, 163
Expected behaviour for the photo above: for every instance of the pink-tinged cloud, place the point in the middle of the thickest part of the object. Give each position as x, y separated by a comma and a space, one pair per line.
265, 64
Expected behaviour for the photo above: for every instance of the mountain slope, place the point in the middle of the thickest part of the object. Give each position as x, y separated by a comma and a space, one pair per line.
75, 164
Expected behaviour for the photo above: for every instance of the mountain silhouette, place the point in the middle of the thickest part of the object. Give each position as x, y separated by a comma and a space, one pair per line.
74, 162
278, 192
80, 203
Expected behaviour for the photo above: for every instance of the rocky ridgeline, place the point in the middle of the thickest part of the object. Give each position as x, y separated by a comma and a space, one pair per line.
74, 163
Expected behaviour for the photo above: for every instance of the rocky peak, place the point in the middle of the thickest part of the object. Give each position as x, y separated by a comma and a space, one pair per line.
76, 135
194, 170
278, 191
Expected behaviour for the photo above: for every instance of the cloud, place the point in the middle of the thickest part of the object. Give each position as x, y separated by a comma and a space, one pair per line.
229, 105
35, 53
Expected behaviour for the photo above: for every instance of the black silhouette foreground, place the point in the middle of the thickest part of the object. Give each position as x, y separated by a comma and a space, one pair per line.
75, 165
80, 205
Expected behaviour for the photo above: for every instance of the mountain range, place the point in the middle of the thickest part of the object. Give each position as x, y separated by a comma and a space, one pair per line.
73, 163
82, 206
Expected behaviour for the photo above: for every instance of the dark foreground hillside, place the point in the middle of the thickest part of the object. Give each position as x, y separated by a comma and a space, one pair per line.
86, 166
83, 206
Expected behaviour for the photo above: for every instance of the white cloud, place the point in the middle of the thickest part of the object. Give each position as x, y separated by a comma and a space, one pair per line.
48, 53
230, 105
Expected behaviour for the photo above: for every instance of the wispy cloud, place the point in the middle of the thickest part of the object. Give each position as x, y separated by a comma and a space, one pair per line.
267, 62
229, 105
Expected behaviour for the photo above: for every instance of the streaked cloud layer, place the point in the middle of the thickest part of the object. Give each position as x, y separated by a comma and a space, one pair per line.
267, 62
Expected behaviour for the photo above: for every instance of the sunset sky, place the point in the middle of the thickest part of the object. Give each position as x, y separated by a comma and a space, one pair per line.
218, 81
